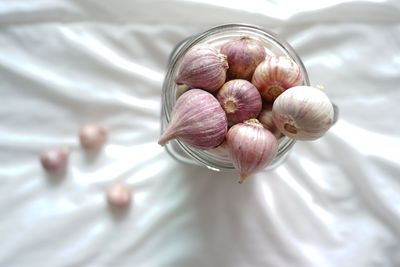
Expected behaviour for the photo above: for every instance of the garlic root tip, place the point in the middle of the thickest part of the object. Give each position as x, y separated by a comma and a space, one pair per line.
290, 128
242, 177
164, 138
161, 143
230, 106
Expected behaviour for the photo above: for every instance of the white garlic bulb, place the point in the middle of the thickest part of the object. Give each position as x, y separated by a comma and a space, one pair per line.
303, 113
92, 136
119, 195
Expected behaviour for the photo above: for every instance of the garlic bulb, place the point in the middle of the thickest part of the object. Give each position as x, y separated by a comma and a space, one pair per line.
119, 196
265, 118
274, 75
92, 136
251, 147
203, 67
303, 113
197, 119
55, 160
240, 100
243, 56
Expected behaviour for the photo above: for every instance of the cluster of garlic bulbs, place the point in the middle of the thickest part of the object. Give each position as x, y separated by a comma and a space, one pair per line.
242, 96
92, 137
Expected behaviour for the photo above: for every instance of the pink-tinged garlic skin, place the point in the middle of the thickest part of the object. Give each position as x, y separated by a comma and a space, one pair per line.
119, 196
240, 99
274, 75
203, 67
92, 136
251, 147
265, 118
55, 160
243, 56
197, 119
303, 113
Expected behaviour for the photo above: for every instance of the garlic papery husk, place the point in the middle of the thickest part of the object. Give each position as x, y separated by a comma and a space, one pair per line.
220, 150
251, 147
265, 118
243, 56
203, 67
274, 75
197, 119
240, 99
303, 113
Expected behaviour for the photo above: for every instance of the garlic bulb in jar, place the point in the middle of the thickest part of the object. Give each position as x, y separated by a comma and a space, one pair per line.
303, 113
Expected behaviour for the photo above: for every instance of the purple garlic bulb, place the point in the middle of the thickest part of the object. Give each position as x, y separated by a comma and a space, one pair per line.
240, 99
251, 147
197, 119
203, 67
243, 56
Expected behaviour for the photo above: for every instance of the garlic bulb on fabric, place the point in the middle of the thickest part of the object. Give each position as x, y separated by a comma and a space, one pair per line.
243, 56
274, 75
92, 136
197, 119
303, 113
203, 67
119, 196
240, 100
55, 160
265, 118
251, 147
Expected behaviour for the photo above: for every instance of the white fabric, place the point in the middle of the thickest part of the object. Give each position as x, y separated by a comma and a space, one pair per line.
334, 202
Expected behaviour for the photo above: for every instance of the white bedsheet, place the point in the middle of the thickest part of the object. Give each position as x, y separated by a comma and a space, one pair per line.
334, 202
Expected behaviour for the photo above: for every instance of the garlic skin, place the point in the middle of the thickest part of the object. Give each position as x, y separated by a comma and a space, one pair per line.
274, 75
251, 147
197, 119
265, 118
119, 196
55, 160
240, 99
92, 136
220, 150
243, 56
180, 89
203, 67
303, 113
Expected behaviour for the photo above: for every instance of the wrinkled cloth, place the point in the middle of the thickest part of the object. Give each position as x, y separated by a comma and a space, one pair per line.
333, 202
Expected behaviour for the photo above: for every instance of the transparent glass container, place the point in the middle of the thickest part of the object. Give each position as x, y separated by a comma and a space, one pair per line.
217, 159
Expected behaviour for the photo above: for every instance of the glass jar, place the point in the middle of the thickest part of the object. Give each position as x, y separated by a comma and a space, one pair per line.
216, 159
